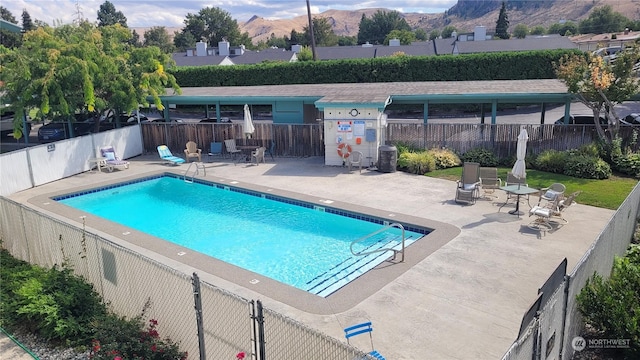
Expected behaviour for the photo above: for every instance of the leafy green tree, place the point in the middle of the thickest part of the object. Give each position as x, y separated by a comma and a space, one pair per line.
305, 54
601, 85
421, 34
107, 15
568, 27
448, 31
520, 31
27, 23
135, 39
323, 32
375, 30
7, 38
82, 69
406, 37
538, 30
158, 36
213, 25
280, 43
183, 40
434, 34
297, 38
502, 25
347, 40
603, 20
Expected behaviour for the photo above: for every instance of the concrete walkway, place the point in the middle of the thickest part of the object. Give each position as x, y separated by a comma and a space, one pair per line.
464, 301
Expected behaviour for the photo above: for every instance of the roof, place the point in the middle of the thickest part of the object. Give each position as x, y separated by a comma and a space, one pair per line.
422, 49
379, 94
10, 26
346, 52
539, 43
182, 59
256, 57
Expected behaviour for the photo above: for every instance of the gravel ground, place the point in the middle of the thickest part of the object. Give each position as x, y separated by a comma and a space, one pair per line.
44, 351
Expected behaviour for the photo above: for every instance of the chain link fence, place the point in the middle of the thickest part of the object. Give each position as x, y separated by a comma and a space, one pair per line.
130, 282
558, 321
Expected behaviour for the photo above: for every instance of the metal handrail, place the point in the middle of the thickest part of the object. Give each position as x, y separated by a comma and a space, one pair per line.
396, 225
196, 172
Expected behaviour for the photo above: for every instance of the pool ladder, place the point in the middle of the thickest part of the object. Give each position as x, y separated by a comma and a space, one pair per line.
363, 253
199, 166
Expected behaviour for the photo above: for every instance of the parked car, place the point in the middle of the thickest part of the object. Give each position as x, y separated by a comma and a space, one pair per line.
581, 120
632, 119
59, 129
213, 120
6, 124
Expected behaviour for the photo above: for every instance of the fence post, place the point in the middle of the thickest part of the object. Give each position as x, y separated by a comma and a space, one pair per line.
260, 320
198, 306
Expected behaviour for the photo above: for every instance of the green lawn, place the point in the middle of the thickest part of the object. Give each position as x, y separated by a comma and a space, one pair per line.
608, 194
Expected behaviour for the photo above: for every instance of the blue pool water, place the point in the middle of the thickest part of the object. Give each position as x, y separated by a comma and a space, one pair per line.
293, 242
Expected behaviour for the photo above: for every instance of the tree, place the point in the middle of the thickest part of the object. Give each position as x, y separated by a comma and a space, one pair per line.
280, 43
158, 36
83, 69
347, 40
375, 30
502, 25
8, 39
212, 25
448, 31
305, 54
601, 85
183, 40
323, 32
27, 23
520, 31
568, 27
406, 37
107, 15
603, 20
434, 34
538, 30
421, 35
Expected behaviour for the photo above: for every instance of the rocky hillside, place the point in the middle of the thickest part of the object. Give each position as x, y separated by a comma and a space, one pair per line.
465, 15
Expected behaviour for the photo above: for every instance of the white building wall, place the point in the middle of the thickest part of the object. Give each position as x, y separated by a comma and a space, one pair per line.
350, 126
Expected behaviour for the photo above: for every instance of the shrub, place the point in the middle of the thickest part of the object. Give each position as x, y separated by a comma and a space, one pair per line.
483, 156
403, 148
613, 306
444, 158
551, 161
628, 164
587, 167
417, 163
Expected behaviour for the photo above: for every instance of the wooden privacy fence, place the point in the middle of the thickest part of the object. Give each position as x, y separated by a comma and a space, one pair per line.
299, 140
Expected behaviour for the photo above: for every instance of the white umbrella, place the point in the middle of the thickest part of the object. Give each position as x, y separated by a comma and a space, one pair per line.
247, 126
519, 168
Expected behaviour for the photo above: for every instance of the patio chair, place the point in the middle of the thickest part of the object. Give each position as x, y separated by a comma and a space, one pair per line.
489, 181
192, 151
556, 190
111, 158
468, 186
258, 155
356, 158
215, 149
167, 156
548, 216
359, 329
230, 146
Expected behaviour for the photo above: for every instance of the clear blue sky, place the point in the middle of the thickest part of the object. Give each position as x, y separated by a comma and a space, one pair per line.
170, 13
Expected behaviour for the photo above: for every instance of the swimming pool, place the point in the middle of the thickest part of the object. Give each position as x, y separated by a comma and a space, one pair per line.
297, 243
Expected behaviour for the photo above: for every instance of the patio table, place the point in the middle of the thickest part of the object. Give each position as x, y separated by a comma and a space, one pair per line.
517, 190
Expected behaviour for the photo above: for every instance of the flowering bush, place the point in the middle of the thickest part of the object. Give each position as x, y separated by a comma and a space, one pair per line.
129, 342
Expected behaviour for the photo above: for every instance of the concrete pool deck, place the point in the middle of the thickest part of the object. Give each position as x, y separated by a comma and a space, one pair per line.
464, 300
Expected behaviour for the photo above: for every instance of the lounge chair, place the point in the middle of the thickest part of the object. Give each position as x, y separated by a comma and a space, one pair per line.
258, 155
468, 186
192, 151
489, 181
167, 156
359, 329
547, 216
112, 160
230, 146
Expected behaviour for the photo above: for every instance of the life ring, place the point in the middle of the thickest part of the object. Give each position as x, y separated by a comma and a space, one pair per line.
344, 150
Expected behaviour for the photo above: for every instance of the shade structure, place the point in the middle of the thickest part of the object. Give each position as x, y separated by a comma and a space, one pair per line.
247, 125
519, 168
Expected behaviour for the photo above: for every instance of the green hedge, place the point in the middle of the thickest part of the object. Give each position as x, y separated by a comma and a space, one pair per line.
482, 66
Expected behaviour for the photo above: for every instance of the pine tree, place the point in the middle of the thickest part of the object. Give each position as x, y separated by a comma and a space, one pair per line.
502, 25
27, 24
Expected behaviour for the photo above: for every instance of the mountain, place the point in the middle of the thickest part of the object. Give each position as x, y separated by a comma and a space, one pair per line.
465, 16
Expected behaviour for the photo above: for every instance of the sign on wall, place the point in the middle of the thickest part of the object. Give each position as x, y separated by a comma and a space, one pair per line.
344, 126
